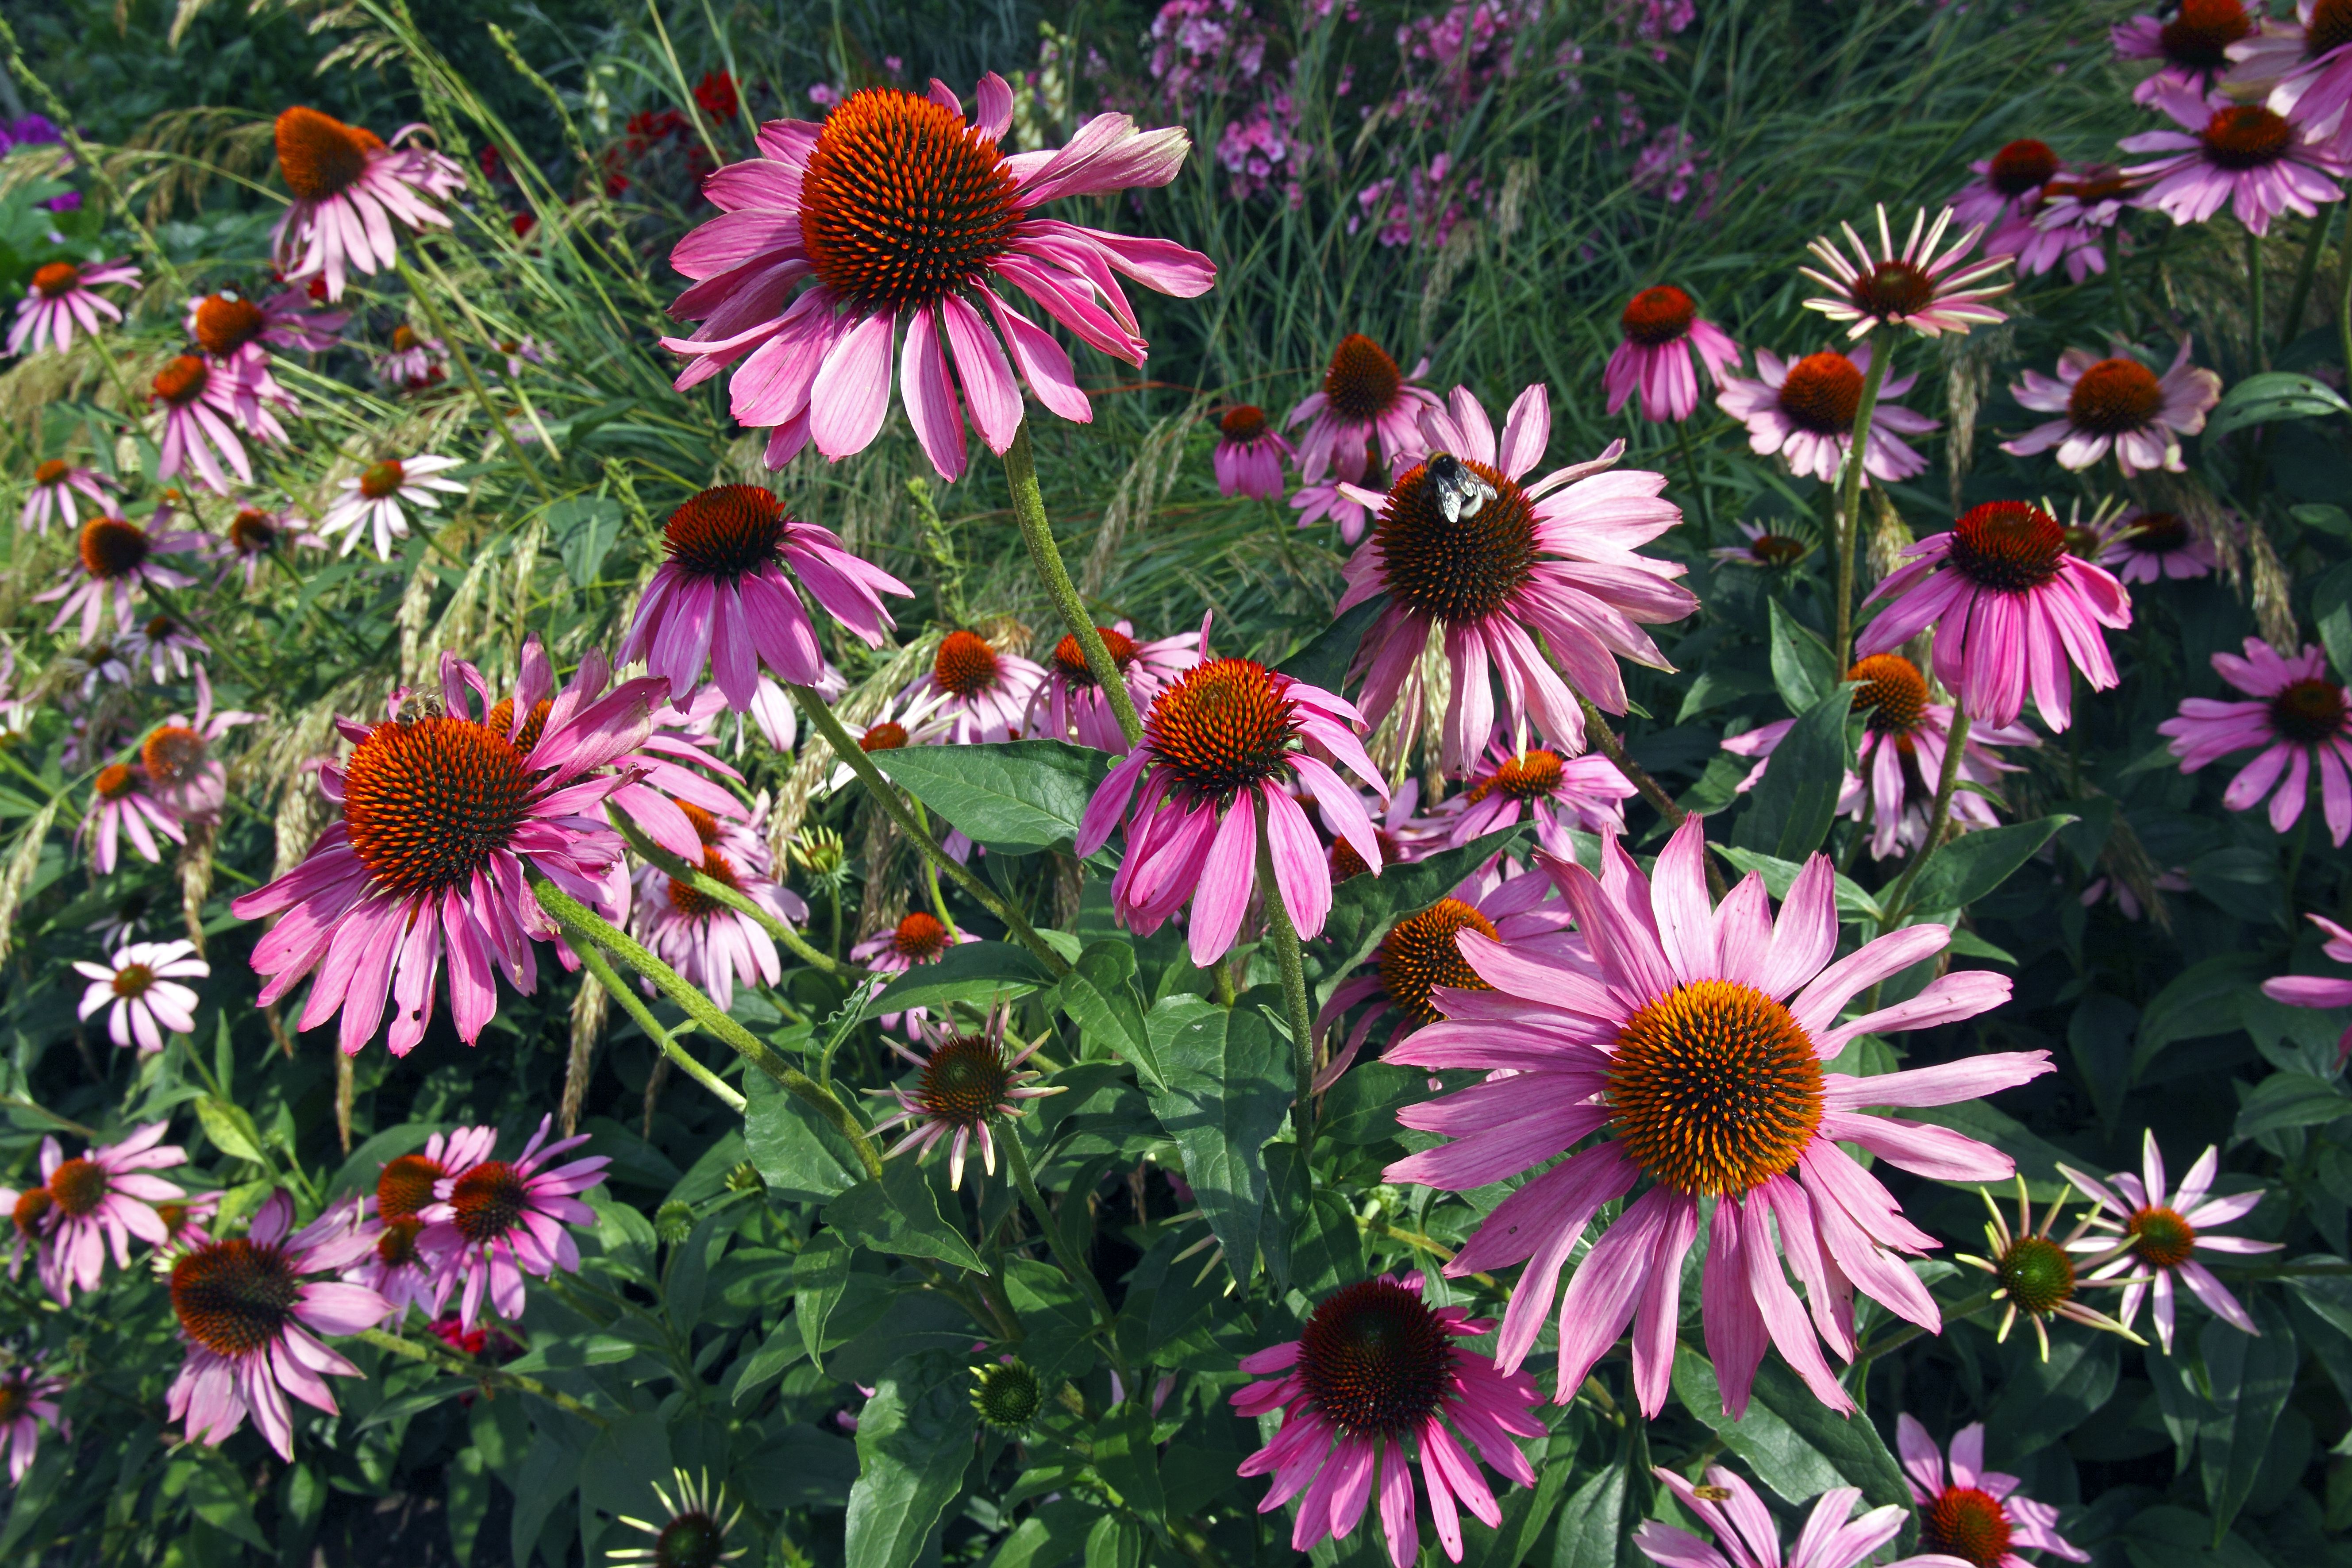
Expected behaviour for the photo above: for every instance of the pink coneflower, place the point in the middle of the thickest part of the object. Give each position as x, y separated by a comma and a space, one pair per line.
1500, 902
185, 1226
62, 295
55, 482
1805, 410
679, 807
2143, 546
115, 559
166, 644
966, 1080
978, 693
1398, 831
395, 1266
1220, 747
99, 1200
202, 401
1901, 758
2305, 65
413, 362
920, 937
1506, 573
1560, 793
1662, 327
1974, 1514
1764, 548
1746, 1535
29, 1213
2257, 160
2116, 403
2010, 608
1915, 286
2072, 223
140, 986
176, 759
248, 1316
1369, 1386
350, 189
2320, 990
2298, 716
2194, 44
1069, 703
501, 1219
1365, 399
723, 596
28, 1396
122, 805
443, 815
257, 533
1249, 454
1700, 1047
2160, 1237
708, 944
2006, 191
370, 502
227, 324
900, 211
908, 718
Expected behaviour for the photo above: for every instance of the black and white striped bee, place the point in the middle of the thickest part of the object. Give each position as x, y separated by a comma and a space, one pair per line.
1460, 491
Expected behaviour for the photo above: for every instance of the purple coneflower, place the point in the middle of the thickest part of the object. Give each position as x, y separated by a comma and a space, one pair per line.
920, 937
1515, 577
2298, 716
711, 945
2258, 160
723, 596
350, 189
1069, 704
28, 1396
1700, 1045
1805, 410
900, 212
1374, 1381
1209, 781
2320, 990
2115, 404
2010, 607
250, 1317
2143, 546
2144, 1230
1249, 455
498, 1220
1972, 1513
115, 559
444, 818
176, 759
1559, 792
62, 295
1747, 1536
256, 534
396, 1267
123, 805
1915, 286
977, 691
967, 1078
99, 1200
166, 646
2306, 64
139, 987
1661, 328
371, 501
55, 484
2194, 44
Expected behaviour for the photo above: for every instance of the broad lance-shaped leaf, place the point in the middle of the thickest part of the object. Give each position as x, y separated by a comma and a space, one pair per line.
899, 1214
1228, 1088
1802, 665
1968, 868
1099, 992
2271, 397
1790, 808
1793, 1441
1324, 661
1016, 796
976, 972
913, 1443
2250, 1378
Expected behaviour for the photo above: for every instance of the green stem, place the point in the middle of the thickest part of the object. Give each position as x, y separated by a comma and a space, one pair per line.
1939, 816
1029, 507
424, 298
2255, 330
584, 924
2305, 270
1083, 1278
1293, 992
1909, 1331
931, 875
712, 888
441, 1356
632, 1004
1690, 462
828, 724
1605, 740
1847, 530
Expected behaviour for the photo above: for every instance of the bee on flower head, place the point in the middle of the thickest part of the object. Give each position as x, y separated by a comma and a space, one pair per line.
1460, 491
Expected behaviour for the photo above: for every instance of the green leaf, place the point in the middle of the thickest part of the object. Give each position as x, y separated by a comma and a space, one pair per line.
1099, 992
899, 1214
2249, 1379
1053, 1534
1056, 1322
1127, 1459
1971, 865
1228, 1088
1713, 688
583, 529
623, 1462
231, 1129
1802, 666
1115, 1542
1362, 1107
1794, 1443
801, 1156
968, 972
913, 1443
797, 1465
1363, 907
2200, 1000
2331, 611
2271, 397
2099, 1036
2289, 1099
1591, 1523
1853, 903
1790, 808
1324, 662
1017, 797
785, 1343
1592, 1515
2042, 1401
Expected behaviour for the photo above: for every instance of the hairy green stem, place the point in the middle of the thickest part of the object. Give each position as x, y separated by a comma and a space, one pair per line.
712, 888
450, 1359
621, 991
931, 875
1938, 816
423, 297
1294, 991
886, 796
584, 924
1029, 507
1847, 530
